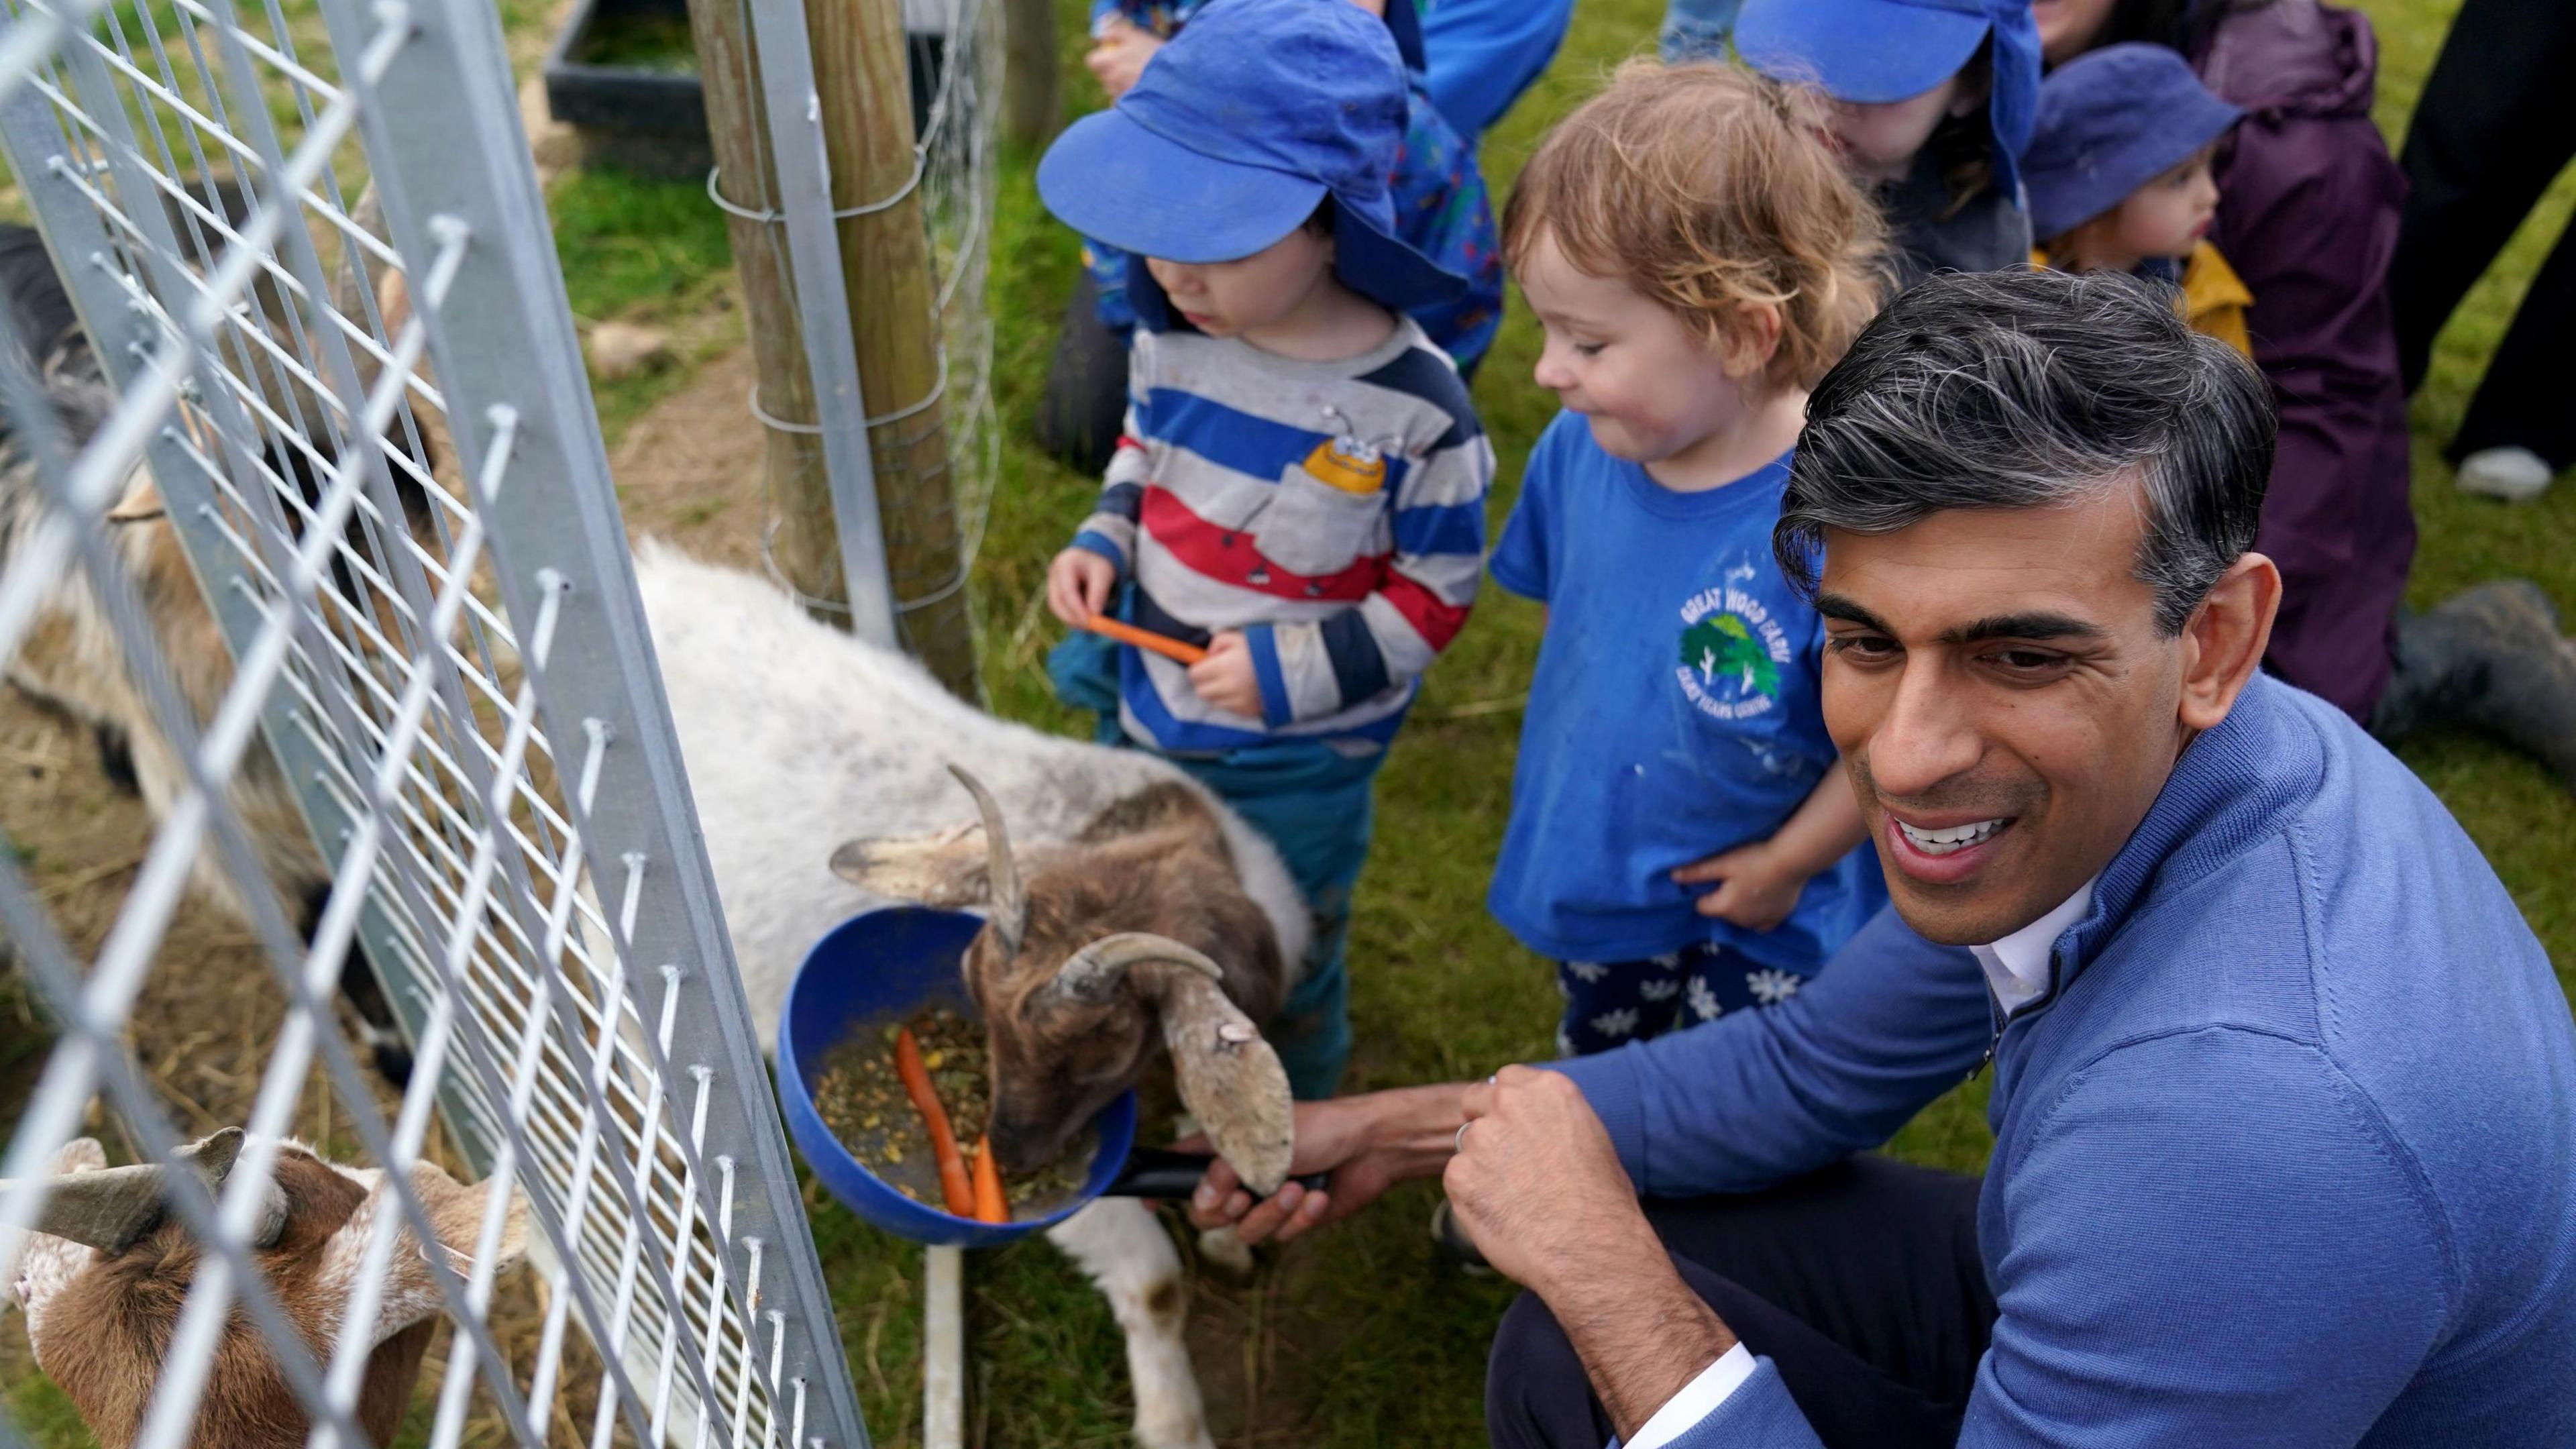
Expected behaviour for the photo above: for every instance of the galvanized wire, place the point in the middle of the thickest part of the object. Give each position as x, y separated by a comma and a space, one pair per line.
417, 630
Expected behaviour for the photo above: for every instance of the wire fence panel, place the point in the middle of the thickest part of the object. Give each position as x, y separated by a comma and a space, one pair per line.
304, 509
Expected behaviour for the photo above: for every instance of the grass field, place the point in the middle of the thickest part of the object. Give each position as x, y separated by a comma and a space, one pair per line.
1361, 1338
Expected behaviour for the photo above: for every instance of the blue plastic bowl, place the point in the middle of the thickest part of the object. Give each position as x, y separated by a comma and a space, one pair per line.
874, 965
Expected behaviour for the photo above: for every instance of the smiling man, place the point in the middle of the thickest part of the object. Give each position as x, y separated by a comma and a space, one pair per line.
2283, 1089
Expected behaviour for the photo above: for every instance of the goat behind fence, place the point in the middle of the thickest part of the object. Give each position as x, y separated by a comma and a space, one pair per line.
312, 510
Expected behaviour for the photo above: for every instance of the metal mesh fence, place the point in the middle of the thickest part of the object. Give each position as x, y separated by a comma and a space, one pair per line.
303, 503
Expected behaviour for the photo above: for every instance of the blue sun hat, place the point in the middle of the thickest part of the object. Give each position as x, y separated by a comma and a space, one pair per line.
1239, 128
2110, 121
1871, 52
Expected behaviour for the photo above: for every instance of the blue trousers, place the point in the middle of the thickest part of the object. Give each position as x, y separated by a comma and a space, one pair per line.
1316, 806
1610, 1003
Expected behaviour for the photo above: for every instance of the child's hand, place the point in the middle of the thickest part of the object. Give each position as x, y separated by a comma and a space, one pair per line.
1078, 585
1755, 888
1118, 56
1224, 678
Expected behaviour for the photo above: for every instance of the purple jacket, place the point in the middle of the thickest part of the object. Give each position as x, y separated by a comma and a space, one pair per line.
2307, 212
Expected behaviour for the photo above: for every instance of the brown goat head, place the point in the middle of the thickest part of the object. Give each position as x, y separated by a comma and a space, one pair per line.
1133, 940
106, 1272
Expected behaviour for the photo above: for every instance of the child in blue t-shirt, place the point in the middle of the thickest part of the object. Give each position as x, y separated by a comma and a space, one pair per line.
1681, 839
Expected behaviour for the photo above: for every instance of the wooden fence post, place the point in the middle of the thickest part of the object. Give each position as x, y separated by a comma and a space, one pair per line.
865, 97
806, 549
866, 88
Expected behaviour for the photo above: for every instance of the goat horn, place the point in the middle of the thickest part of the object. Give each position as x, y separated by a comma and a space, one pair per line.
1010, 905
114, 1208
1095, 971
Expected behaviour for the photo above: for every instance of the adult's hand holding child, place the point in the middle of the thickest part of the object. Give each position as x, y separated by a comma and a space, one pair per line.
1118, 54
1225, 678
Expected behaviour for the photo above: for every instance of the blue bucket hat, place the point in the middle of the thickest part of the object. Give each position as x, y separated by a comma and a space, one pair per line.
2110, 121
1871, 52
1238, 129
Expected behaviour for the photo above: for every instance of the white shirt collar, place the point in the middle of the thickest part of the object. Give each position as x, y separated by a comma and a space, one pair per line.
2017, 965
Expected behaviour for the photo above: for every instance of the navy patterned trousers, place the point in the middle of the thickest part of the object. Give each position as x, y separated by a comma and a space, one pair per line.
1609, 1003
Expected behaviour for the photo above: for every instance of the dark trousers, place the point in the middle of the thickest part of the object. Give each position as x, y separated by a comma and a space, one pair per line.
1861, 1284
1612, 1003
2493, 129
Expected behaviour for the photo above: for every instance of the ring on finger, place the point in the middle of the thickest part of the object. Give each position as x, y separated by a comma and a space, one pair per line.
1458, 1143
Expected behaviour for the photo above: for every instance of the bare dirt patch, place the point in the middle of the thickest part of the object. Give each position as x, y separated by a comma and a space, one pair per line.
688, 470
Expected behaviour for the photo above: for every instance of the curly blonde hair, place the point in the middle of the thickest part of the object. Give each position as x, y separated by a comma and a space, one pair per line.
1711, 190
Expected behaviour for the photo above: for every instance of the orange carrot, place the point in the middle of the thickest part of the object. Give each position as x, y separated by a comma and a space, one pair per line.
989, 1206
1125, 633
953, 1183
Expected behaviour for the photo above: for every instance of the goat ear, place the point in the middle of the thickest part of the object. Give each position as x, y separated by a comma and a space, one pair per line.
947, 869
456, 1214
1229, 1079
36, 1266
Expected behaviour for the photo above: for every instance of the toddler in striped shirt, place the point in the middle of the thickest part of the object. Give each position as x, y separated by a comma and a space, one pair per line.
1299, 487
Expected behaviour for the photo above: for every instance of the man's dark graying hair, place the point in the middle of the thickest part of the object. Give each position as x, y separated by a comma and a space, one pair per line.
2028, 389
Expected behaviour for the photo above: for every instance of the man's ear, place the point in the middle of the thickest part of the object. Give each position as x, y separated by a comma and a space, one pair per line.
2224, 640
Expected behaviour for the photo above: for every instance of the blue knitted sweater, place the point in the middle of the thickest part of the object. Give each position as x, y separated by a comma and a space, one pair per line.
2287, 1155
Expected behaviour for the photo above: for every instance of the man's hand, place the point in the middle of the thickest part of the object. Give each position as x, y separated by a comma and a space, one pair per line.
1118, 54
1078, 585
1756, 889
1225, 679
1537, 1184
1368, 1143
1540, 1190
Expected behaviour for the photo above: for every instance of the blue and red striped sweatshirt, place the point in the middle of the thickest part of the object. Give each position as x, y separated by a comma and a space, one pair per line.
1333, 511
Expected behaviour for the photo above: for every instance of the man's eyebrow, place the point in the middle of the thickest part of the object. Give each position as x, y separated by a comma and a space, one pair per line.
1839, 606
2034, 625
2039, 625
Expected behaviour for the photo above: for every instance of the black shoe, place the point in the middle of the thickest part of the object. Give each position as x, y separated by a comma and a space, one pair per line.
2490, 658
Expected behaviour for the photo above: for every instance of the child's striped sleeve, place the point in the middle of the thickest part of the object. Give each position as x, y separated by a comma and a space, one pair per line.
1110, 531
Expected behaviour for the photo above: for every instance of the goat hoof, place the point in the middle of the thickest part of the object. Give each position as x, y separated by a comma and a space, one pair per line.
1226, 1254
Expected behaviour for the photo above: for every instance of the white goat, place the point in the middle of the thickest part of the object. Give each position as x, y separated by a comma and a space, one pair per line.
798, 738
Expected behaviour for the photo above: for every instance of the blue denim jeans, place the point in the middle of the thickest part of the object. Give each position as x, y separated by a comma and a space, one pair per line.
1316, 806
1696, 29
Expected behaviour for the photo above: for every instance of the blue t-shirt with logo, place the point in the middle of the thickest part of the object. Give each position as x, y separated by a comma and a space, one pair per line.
1674, 713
